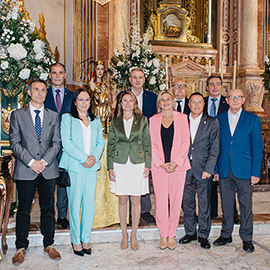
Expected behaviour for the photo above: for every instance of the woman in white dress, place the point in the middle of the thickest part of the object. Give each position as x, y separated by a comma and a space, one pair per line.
129, 161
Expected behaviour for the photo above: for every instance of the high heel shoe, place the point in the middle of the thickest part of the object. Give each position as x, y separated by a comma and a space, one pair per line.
77, 252
87, 251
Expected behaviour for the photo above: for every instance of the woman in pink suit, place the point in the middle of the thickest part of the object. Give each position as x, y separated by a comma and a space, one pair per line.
170, 140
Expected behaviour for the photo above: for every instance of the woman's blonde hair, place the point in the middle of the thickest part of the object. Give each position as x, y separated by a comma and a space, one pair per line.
136, 110
159, 98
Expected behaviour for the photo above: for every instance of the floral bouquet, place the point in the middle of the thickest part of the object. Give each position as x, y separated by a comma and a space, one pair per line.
137, 53
266, 76
23, 54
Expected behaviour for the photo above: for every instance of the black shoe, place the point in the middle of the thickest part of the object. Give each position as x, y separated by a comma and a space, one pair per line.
87, 251
222, 241
148, 218
63, 222
204, 243
76, 252
248, 246
187, 239
237, 221
214, 216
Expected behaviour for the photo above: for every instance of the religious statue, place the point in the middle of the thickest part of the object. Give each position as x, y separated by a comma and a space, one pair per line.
100, 95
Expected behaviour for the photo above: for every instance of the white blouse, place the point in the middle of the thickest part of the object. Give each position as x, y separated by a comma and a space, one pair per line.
86, 138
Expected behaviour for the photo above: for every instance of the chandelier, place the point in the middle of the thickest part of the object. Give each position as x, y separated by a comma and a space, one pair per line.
102, 2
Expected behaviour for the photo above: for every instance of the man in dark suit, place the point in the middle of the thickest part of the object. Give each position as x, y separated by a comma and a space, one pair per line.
216, 104
203, 155
35, 141
147, 102
59, 100
238, 167
179, 90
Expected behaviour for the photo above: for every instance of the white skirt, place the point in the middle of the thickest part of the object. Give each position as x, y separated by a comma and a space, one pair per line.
129, 179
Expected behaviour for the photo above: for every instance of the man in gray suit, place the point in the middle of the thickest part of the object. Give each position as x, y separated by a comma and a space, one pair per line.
203, 155
35, 141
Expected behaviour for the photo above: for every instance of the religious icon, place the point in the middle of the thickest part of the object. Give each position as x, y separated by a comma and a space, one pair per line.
5, 119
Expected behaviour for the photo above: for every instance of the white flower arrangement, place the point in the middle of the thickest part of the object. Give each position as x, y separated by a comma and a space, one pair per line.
137, 53
21, 50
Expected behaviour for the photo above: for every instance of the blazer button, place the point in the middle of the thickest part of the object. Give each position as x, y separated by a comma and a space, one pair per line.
231, 142
229, 153
39, 141
192, 148
37, 154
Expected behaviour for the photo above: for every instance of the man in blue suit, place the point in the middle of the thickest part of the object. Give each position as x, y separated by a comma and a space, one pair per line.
59, 100
147, 102
239, 166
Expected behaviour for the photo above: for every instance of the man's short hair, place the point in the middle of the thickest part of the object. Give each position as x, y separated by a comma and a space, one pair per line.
37, 80
56, 64
136, 69
213, 76
196, 94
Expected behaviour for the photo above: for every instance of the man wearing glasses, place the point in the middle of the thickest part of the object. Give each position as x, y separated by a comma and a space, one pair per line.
216, 104
179, 90
239, 166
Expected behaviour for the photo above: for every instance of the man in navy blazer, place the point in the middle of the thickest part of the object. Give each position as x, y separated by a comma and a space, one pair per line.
239, 166
179, 90
213, 86
57, 75
147, 102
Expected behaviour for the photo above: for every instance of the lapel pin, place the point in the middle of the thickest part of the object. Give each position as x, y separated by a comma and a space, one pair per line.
204, 122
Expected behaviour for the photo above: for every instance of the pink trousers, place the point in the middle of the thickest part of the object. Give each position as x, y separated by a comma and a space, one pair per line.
168, 190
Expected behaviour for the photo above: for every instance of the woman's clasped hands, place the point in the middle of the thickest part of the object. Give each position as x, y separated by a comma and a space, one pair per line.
90, 162
169, 167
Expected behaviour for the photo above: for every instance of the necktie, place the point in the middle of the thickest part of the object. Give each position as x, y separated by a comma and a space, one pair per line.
58, 101
213, 107
179, 109
37, 123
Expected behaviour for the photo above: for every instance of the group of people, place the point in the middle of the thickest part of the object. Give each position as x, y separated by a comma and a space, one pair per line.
185, 148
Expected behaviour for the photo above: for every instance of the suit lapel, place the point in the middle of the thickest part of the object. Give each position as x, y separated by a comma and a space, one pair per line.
240, 124
64, 101
29, 120
200, 128
51, 100
46, 123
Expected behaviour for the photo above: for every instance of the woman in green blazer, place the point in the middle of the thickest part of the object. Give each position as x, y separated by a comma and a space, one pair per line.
129, 161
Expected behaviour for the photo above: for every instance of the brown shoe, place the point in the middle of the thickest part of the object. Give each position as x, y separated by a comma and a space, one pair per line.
163, 243
171, 243
52, 253
18, 257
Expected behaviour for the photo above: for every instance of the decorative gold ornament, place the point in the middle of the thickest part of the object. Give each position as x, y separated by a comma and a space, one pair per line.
5, 118
102, 2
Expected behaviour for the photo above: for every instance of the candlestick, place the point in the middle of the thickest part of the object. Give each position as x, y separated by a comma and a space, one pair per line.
209, 67
234, 75
167, 74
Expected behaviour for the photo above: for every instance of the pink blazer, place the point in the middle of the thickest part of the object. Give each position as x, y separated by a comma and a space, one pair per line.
180, 146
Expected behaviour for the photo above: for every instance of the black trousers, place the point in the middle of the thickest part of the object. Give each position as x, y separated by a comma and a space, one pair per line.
26, 192
189, 205
244, 192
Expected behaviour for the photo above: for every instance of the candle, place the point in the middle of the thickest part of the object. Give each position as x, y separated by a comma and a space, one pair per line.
221, 70
167, 74
209, 67
234, 74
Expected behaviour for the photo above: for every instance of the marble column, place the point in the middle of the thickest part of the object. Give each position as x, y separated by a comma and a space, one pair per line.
121, 18
249, 75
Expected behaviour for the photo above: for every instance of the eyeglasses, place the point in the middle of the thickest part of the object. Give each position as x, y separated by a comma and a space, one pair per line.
235, 97
180, 85
83, 99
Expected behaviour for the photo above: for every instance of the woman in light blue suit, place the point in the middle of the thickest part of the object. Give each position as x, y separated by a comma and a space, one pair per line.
83, 143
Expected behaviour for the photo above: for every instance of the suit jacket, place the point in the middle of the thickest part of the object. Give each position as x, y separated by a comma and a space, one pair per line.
50, 103
186, 108
137, 146
149, 104
180, 146
205, 147
73, 155
223, 105
241, 152
26, 146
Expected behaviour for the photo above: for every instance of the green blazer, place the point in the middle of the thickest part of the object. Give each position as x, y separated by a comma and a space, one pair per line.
137, 147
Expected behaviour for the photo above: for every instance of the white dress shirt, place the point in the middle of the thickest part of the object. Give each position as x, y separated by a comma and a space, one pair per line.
86, 131
33, 114
210, 102
139, 99
233, 120
182, 104
193, 125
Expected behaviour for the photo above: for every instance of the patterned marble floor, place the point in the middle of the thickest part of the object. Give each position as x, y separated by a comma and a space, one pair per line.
149, 256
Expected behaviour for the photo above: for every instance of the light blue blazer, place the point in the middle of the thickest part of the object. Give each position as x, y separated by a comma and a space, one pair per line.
73, 148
